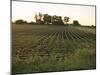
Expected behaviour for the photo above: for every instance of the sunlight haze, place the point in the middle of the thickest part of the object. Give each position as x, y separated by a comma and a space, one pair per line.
26, 10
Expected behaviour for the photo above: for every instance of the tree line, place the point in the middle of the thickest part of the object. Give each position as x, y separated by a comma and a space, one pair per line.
46, 19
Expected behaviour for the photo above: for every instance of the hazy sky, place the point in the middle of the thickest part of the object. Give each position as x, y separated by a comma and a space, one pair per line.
26, 10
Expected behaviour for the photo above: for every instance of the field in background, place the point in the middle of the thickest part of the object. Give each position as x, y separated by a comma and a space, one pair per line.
37, 48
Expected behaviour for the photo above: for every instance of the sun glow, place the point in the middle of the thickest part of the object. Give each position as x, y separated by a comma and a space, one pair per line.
26, 10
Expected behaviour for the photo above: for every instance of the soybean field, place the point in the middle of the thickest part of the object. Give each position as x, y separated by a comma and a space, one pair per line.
45, 48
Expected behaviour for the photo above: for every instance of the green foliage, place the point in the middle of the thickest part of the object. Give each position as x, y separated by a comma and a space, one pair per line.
47, 19
76, 23
20, 22
38, 18
66, 19
57, 20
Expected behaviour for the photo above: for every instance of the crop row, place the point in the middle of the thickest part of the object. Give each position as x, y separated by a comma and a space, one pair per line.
62, 42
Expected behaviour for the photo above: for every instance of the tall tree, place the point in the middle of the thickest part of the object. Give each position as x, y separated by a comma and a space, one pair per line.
47, 19
66, 20
36, 17
40, 16
57, 20
54, 19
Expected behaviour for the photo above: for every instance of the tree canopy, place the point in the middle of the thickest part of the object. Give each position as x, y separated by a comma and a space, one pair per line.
76, 23
46, 19
20, 22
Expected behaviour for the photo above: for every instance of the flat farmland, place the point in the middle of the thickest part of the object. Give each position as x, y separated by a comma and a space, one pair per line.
45, 48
